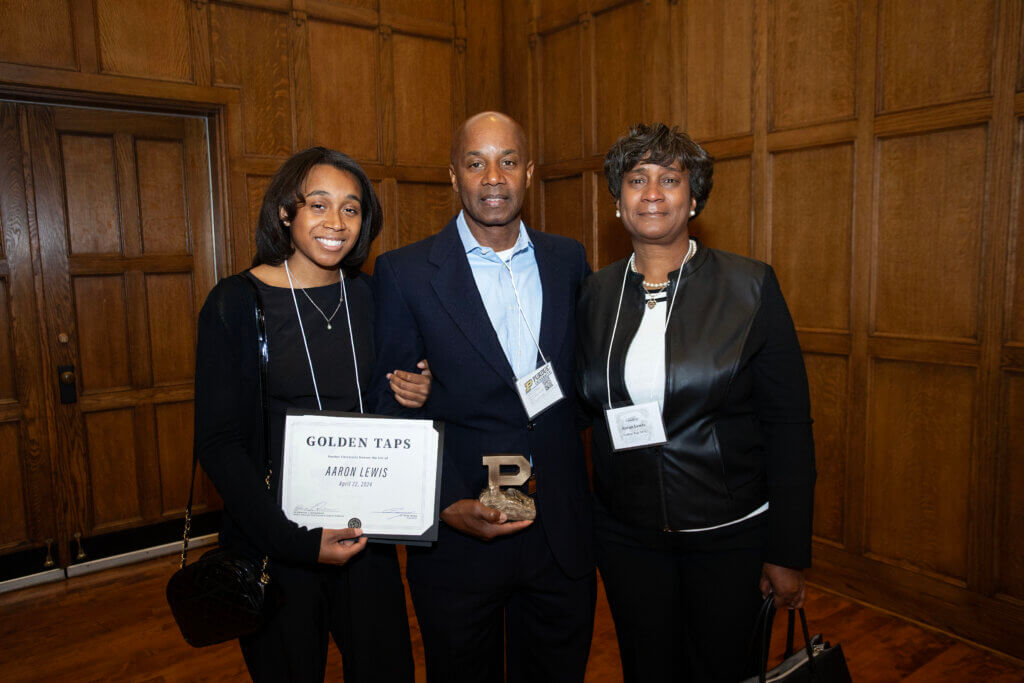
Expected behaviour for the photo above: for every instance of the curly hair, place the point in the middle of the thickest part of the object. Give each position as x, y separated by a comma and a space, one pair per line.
274, 238
659, 144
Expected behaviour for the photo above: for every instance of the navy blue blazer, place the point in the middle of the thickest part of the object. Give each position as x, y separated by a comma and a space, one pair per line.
428, 306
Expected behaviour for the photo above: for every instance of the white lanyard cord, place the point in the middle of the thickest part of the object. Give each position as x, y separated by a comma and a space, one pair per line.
352, 341
302, 330
519, 304
690, 251
608, 363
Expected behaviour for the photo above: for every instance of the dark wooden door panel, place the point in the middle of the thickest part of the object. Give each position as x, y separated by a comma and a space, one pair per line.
127, 259
28, 517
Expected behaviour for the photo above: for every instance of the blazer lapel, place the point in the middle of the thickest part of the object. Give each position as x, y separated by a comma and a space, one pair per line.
557, 294
456, 289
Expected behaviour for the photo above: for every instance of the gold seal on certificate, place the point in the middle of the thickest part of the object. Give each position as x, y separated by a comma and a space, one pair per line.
349, 470
514, 503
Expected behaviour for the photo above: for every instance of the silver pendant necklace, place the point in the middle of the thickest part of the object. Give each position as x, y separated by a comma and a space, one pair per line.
341, 296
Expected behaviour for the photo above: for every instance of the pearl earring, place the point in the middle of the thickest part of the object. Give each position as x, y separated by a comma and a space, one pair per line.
692, 214
617, 214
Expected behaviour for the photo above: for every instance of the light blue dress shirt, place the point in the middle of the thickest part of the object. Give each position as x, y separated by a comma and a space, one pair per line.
494, 283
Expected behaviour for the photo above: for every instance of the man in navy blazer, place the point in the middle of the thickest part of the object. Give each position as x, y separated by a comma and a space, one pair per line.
488, 582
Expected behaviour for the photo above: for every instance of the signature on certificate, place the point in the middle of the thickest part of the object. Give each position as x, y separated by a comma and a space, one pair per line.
396, 513
314, 509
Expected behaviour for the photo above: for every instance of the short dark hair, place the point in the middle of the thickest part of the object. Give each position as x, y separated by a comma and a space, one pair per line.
274, 238
659, 144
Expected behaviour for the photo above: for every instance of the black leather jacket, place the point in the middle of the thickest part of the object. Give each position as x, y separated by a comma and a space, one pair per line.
736, 411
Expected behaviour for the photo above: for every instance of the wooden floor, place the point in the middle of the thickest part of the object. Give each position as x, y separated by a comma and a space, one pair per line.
115, 626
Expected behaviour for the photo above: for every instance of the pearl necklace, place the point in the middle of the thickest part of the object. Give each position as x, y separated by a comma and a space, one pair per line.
662, 285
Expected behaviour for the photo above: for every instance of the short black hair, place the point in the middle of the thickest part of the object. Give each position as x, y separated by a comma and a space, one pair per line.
274, 238
659, 144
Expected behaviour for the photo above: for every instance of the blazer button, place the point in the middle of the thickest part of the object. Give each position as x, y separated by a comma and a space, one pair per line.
530, 425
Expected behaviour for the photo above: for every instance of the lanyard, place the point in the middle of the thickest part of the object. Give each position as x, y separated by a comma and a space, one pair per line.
618, 309
519, 304
351, 339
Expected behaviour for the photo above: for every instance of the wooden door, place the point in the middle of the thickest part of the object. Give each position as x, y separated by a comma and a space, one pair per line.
27, 523
122, 206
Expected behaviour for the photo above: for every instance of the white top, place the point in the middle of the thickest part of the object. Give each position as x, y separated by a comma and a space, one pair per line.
645, 359
645, 371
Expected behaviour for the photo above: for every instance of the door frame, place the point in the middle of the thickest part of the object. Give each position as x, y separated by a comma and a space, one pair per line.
216, 113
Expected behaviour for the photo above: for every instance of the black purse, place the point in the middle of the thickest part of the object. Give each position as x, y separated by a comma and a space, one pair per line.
225, 594
817, 661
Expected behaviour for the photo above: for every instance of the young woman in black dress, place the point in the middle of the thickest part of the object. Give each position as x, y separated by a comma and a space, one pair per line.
318, 218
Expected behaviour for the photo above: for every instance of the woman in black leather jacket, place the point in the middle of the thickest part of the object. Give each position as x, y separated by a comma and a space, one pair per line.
702, 447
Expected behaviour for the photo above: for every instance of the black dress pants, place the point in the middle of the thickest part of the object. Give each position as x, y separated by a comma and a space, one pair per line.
361, 604
545, 618
683, 611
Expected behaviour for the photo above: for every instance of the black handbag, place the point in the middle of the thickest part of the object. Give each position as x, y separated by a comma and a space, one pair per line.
817, 661
225, 594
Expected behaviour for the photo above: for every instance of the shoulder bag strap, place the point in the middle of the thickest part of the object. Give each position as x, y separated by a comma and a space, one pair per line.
264, 356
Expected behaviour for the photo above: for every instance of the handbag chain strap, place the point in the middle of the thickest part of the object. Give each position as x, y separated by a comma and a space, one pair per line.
264, 355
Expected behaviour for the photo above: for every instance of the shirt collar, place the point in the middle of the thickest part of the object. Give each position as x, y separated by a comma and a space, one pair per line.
471, 244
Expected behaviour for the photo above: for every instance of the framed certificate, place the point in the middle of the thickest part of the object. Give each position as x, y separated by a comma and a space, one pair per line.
352, 470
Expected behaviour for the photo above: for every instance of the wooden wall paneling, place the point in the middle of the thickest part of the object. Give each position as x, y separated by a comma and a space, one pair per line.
387, 129
24, 459
440, 12
997, 211
1013, 326
1009, 551
611, 241
343, 81
199, 41
813, 61
423, 209
143, 38
761, 226
423, 106
726, 221
865, 197
561, 98
86, 36
38, 32
828, 378
250, 50
811, 213
619, 81
929, 234
485, 74
460, 69
924, 71
299, 79
663, 64
719, 42
918, 465
563, 209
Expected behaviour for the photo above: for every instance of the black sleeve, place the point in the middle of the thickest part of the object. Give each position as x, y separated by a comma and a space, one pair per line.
396, 340
584, 420
400, 345
224, 386
784, 410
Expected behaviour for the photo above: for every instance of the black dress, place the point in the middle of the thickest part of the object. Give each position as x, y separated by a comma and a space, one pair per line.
362, 604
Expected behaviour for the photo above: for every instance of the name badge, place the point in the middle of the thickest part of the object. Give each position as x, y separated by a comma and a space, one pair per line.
539, 390
636, 426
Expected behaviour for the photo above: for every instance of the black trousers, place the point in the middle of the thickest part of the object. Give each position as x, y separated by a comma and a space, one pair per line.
362, 605
683, 613
545, 618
